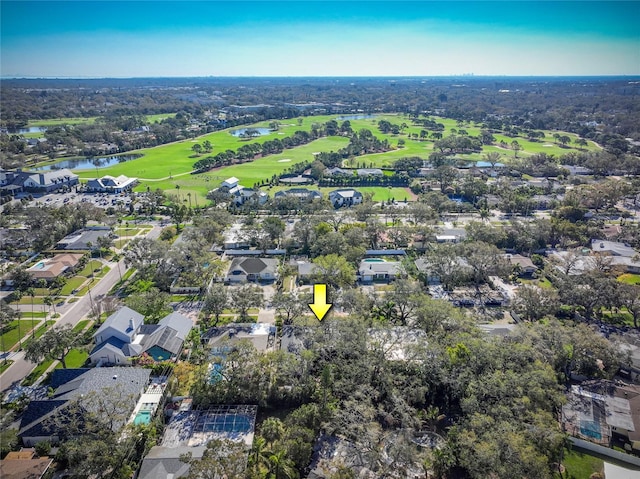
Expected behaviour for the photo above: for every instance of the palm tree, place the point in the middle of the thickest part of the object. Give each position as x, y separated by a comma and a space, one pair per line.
259, 456
281, 467
32, 292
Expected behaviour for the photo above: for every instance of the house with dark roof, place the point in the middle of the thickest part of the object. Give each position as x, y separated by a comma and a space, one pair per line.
71, 384
84, 239
124, 335
245, 269
46, 181
300, 193
523, 265
346, 197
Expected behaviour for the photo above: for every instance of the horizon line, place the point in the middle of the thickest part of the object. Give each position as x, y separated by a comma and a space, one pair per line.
453, 75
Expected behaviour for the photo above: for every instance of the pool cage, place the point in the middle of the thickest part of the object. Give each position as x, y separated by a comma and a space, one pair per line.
231, 419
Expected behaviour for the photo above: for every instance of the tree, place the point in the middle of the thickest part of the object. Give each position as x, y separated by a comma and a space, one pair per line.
216, 301
222, 459
197, 148
333, 270
533, 303
6, 316
274, 228
152, 303
54, 344
208, 147
516, 147
246, 297
493, 157
290, 306
178, 213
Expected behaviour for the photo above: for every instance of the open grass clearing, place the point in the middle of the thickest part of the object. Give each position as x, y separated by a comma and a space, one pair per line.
90, 268
35, 314
127, 231
62, 121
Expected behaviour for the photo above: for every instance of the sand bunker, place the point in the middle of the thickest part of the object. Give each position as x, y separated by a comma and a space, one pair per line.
547, 144
284, 161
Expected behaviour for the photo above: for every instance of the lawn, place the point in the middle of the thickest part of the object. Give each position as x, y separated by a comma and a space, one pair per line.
81, 325
123, 231
249, 173
36, 373
72, 284
4, 365
580, 466
89, 268
629, 278
39, 332
15, 331
74, 359
36, 314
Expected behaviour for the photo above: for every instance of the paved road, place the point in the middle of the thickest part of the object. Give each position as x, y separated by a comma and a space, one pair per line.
70, 313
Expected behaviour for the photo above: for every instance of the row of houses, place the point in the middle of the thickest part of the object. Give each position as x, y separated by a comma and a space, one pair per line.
240, 195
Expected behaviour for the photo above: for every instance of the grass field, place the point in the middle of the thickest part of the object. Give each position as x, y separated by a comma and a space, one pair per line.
168, 166
36, 373
81, 325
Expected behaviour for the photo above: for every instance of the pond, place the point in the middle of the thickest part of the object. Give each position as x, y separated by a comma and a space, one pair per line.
242, 131
355, 117
28, 129
486, 164
88, 163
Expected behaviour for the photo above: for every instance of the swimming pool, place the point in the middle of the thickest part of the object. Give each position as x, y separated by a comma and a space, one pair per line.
143, 417
374, 260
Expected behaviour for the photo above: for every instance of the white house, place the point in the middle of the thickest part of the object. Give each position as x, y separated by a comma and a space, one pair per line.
230, 183
124, 335
378, 271
245, 269
346, 197
111, 184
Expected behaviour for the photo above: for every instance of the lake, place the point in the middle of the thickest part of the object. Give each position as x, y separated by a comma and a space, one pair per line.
88, 163
29, 129
355, 117
241, 131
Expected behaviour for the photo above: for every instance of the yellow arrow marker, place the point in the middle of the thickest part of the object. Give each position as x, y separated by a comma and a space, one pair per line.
319, 306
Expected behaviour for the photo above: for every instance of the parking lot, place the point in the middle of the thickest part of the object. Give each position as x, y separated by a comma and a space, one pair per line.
101, 200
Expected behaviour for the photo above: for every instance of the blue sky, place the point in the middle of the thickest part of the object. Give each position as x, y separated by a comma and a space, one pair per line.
329, 38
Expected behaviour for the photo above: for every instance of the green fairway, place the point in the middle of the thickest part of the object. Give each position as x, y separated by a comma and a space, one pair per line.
168, 166
249, 173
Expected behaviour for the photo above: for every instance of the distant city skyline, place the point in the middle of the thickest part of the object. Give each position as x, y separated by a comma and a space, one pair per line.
380, 38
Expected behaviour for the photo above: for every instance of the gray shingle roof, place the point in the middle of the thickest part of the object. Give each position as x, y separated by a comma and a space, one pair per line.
120, 320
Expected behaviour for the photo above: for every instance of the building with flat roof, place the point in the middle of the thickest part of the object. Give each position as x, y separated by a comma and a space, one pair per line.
111, 184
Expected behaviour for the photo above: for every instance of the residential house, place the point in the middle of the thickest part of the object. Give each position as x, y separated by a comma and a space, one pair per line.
363, 172
240, 195
346, 197
371, 271
523, 265
124, 335
51, 268
305, 269
622, 255
245, 269
8, 184
234, 238
300, 193
110, 184
71, 384
451, 235
24, 464
85, 239
335, 171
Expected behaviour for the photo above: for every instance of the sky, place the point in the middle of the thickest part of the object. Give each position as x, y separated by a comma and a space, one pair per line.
326, 38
